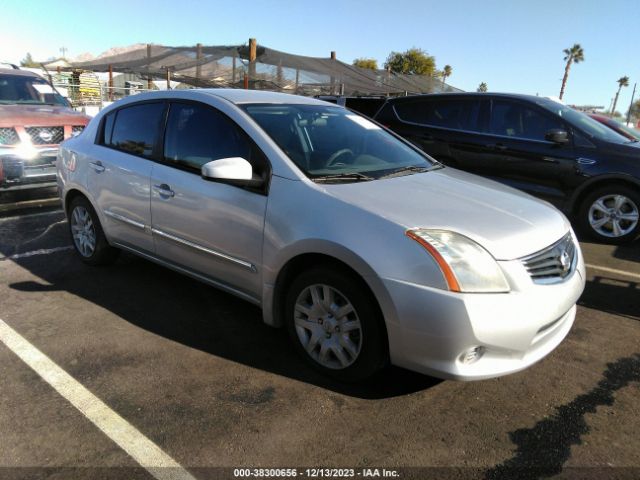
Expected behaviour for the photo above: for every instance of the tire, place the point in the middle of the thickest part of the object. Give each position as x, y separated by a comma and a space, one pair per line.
87, 235
351, 355
611, 214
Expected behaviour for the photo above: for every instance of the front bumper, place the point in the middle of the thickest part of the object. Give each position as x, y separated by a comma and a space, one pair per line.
18, 171
432, 329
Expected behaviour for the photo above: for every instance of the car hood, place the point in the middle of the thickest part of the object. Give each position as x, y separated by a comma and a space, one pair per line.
508, 223
40, 115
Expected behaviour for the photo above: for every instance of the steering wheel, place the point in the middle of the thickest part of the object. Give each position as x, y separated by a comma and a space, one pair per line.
332, 159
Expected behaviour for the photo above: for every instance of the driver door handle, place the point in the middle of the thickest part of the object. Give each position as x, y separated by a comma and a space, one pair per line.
164, 190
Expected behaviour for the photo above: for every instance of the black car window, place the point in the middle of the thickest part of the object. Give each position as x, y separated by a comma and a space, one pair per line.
135, 128
197, 134
108, 128
514, 119
454, 113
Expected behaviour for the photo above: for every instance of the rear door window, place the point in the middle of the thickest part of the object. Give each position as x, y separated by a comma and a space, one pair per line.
452, 113
135, 129
515, 119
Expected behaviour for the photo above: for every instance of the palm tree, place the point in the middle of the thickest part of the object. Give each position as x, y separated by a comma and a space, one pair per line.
446, 72
573, 54
482, 88
622, 82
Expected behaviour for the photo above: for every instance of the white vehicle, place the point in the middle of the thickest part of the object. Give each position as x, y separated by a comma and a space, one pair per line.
365, 249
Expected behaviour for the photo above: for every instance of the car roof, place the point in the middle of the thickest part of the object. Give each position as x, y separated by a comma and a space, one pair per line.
20, 73
519, 96
238, 96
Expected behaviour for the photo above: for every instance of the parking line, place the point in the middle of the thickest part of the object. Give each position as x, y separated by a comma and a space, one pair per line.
42, 251
613, 270
126, 436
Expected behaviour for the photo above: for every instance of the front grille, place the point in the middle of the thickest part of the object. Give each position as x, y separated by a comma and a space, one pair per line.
76, 130
8, 136
554, 263
45, 135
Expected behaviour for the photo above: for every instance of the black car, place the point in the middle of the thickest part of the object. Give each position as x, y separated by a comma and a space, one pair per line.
535, 144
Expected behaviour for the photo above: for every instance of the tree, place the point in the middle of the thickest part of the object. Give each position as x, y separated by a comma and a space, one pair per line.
482, 88
622, 82
571, 55
446, 72
414, 61
28, 61
635, 109
370, 63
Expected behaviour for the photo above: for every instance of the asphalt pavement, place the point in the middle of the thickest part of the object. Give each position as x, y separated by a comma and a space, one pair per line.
145, 351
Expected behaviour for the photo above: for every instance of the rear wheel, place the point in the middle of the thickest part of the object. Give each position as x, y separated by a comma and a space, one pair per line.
611, 214
335, 324
86, 232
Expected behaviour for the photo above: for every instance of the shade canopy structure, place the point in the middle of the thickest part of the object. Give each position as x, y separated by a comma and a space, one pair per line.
237, 66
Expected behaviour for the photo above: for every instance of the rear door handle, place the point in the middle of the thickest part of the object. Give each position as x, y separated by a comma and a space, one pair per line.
497, 146
164, 190
97, 166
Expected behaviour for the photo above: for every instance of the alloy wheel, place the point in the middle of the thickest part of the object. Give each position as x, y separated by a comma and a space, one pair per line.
613, 215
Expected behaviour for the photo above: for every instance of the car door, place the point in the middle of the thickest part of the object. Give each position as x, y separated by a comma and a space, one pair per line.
120, 172
211, 228
522, 156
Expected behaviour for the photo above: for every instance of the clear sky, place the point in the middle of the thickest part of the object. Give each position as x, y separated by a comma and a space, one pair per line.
513, 46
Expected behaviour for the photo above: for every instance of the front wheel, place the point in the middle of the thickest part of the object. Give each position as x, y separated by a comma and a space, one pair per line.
611, 214
335, 324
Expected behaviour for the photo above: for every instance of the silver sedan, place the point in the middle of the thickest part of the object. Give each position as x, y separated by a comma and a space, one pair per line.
366, 250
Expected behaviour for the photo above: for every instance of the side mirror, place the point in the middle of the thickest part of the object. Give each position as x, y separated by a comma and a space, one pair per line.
233, 170
557, 136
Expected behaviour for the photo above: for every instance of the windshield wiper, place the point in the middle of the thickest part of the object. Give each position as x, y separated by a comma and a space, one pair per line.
399, 172
340, 177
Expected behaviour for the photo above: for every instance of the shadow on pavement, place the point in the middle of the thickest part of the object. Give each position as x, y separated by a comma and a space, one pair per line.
629, 252
612, 295
543, 449
184, 310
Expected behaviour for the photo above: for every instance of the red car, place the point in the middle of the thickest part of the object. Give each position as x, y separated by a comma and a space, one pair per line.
630, 133
34, 120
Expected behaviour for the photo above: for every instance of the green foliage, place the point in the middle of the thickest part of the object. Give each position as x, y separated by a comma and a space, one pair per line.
574, 54
482, 88
370, 63
623, 81
28, 61
414, 60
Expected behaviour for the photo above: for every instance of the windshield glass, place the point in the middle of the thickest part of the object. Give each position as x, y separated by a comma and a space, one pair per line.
18, 89
329, 142
631, 131
588, 125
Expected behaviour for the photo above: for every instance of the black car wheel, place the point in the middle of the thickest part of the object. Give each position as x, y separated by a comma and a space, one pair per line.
611, 214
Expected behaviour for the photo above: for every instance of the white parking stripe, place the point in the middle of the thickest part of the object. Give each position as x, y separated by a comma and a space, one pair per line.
143, 450
42, 251
613, 270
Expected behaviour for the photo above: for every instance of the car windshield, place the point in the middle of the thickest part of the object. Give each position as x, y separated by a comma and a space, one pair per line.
331, 143
631, 131
18, 89
585, 123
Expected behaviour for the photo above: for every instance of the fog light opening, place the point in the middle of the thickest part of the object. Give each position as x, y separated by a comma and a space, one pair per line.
472, 355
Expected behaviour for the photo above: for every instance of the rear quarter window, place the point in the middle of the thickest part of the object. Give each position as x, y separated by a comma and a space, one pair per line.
134, 129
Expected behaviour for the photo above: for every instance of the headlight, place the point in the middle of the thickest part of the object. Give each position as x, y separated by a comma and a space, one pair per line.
466, 266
